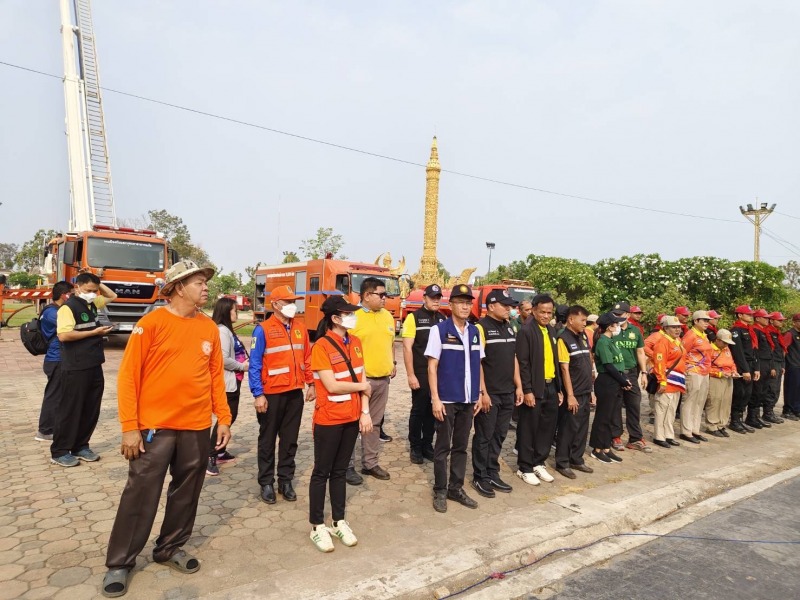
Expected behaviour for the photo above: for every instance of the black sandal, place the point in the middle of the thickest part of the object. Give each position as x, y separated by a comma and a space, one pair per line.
115, 583
183, 562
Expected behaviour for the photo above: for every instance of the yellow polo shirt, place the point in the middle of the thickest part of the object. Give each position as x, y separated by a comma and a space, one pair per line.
65, 320
375, 329
549, 359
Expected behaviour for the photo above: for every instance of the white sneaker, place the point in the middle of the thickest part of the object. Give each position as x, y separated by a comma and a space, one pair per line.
321, 538
541, 473
341, 529
528, 478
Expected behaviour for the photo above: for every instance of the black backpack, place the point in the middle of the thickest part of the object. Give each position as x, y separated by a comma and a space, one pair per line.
32, 338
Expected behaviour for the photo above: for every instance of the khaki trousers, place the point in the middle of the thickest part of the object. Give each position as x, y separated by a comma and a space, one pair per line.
666, 405
718, 406
693, 402
370, 442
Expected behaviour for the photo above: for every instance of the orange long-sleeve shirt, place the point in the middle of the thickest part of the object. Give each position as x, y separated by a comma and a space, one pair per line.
667, 352
171, 375
698, 352
721, 362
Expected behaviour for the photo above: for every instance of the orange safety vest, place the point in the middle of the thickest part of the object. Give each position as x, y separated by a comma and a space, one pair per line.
287, 357
334, 409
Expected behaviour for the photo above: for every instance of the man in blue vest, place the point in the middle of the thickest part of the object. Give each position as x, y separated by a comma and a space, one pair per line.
457, 394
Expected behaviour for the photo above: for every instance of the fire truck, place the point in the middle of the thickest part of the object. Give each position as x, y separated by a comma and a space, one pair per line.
315, 280
517, 289
132, 262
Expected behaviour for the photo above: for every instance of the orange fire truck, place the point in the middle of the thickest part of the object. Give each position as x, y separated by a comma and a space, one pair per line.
315, 280
517, 289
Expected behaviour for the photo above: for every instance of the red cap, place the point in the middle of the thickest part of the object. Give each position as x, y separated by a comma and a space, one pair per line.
282, 292
659, 317
683, 311
777, 316
714, 314
761, 313
743, 309
635, 309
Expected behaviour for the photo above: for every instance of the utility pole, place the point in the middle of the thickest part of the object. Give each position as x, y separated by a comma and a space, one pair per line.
490, 246
757, 216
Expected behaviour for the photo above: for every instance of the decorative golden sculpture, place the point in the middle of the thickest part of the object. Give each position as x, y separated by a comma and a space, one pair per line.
387, 263
429, 265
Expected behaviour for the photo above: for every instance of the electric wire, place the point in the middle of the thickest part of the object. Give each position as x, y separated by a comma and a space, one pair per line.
785, 215
382, 156
502, 574
781, 242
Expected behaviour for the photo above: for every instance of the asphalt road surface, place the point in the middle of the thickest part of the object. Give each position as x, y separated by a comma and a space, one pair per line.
682, 569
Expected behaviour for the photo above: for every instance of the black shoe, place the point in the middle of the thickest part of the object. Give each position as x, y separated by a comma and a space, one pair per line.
500, 485
416, 457
268, 493
672, 442
583, 468
747, 428
614, 458
377, 472
697, 436
427, 454
724, 432
352, 477
718, 433
384, 437
460, 497
754, 423
662, 444
688, 438
440, 502
790, 416
738, 427
567, 472
764, 423
771, 417
484, 489
287, 491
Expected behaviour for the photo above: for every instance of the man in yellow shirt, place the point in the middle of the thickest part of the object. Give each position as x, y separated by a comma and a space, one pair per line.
375, 328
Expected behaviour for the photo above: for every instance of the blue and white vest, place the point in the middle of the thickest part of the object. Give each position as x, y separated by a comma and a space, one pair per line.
451, 373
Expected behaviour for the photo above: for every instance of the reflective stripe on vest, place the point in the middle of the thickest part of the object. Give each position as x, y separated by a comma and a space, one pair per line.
278, 371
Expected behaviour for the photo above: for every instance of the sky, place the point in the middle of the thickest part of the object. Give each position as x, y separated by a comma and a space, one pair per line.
691, 107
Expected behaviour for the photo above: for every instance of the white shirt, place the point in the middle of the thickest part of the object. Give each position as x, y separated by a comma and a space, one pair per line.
434, 350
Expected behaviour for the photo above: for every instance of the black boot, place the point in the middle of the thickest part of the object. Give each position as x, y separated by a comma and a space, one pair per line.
753, 420
764, 424
736, 423
771, 417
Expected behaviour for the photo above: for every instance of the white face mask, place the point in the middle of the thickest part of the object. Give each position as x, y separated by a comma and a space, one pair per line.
617, 331
88, 296
349, 321
514, 313
289, 311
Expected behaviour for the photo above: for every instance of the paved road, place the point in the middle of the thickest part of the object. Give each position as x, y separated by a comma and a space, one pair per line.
675, 568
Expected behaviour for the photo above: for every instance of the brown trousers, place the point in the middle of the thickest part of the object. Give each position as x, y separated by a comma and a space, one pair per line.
718, 406
185, 454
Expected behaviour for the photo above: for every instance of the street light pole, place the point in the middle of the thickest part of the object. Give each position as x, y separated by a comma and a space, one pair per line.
490, 246
757, 216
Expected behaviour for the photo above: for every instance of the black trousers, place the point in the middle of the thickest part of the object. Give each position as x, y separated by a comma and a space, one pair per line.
609, 401
773, 392
742, 393
233, 404
573, 430
760, 391
452, 439
333, 446
52, 395
185, 454
632, 401
282, 420
491, 429
791, 391
78, 411
421, 422
536, 429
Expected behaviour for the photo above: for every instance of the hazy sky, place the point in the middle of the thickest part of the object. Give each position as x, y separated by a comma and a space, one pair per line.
688, 106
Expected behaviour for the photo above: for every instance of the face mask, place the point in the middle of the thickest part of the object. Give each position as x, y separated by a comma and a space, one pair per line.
617, 331
289, 311
349, 321
514, 313
88, 297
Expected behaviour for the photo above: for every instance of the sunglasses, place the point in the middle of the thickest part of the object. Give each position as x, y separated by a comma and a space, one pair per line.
382, 294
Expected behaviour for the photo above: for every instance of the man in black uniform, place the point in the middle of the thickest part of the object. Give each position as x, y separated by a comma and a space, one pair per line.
501, 376
575, 361
767, 371
791, 383
746, 359
416, 329
776, 320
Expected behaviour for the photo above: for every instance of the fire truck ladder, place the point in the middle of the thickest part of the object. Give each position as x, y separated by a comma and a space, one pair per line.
98, 166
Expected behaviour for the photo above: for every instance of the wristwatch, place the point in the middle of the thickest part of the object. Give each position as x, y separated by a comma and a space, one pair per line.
365, 411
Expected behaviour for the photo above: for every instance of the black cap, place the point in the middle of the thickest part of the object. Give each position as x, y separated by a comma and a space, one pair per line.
432, 291
608, 318
623, 306
337, 304
500, 296
461, 290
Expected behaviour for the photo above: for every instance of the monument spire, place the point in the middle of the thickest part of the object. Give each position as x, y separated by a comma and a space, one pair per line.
428, 272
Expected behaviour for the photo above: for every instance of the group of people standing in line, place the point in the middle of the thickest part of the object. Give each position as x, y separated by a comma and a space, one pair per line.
533, 366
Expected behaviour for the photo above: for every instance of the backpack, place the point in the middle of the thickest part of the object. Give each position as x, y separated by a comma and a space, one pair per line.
32, 338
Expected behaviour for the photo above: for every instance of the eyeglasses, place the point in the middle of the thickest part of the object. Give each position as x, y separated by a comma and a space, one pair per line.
382, 294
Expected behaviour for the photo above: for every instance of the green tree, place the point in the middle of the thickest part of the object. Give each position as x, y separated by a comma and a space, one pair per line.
8, 252
22, 279
176, 232
289, 256
569, 280
31, 255
223, 284
324, 243
791, 274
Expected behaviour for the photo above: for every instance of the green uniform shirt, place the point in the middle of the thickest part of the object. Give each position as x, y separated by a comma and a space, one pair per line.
606, 351
628, 341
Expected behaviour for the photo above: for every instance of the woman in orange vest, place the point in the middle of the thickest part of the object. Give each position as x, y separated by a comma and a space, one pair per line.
341, 412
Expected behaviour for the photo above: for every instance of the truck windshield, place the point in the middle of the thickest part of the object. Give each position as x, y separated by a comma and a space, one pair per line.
520, 294
125, 254
391, 283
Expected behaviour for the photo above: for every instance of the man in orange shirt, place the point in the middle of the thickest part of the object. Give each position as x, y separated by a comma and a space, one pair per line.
669, 368
698, 363
170, 382
722, 372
